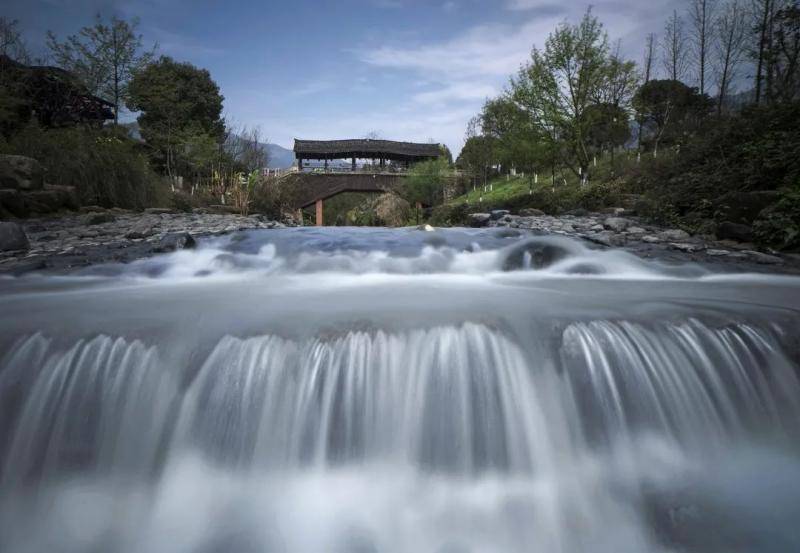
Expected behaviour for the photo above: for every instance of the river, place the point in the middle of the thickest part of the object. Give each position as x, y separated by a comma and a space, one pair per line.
374, 390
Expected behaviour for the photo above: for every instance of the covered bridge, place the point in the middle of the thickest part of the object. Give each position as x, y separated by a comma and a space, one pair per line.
402, 153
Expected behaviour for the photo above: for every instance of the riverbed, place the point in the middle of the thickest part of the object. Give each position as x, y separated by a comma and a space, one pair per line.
393, 390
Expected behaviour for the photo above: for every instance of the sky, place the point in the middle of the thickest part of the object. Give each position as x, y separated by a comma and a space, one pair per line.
413, 70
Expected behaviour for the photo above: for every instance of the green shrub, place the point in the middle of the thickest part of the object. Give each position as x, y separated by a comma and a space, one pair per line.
778, 226
105, 167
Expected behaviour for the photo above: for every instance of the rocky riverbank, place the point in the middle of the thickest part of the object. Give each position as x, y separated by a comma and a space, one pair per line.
62, 244
617, 229
67, 243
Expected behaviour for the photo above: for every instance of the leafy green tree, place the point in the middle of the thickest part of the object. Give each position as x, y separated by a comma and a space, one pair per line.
426, 181
177, 101
560, 83
670, 109
104, 57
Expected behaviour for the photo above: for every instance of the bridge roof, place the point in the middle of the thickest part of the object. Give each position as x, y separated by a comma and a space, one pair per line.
363, 148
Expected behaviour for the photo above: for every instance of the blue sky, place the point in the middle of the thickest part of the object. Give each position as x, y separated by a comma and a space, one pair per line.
405, 69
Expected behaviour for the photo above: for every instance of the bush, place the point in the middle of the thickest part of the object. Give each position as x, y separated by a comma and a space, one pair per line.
105, 167
778, 226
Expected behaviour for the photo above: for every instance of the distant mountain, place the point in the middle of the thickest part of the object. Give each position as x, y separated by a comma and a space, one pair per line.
278, 157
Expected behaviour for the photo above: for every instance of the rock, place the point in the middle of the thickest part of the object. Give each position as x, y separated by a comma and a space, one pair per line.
635, 230
615, 211
579, 212
12, 237
157, 210
617, 224
479, 219
717, 253
498, 214
531, 212
673, 235
533, 254
728, 230
21, 173
426, 228
598, 227
92, 209
651, 239
177, 241
100, 218
141, 230
14, 202
763, 258
684, 247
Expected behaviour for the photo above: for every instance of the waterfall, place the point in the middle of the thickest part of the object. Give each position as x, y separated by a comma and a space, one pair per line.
467, 411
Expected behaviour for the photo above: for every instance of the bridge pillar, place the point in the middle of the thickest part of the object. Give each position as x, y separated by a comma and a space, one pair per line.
319, 213
354, 163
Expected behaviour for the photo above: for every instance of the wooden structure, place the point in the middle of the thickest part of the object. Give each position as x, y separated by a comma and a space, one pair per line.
54, 96
314, 188
403, 154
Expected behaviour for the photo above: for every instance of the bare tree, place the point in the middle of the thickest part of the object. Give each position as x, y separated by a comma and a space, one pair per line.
253, 155
649, 58
730, 29
674, 48
647, 74
762, 13
11, 41
701, 14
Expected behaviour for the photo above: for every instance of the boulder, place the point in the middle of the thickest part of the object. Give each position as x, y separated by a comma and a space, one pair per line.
20, 173
615, 211
157, 210
176, 241
140, 230
13, 202
498, 214
12, 237
763, 258
534, 254
531, 212
617, 224
673, 235
479, 219
728, 230
99, 218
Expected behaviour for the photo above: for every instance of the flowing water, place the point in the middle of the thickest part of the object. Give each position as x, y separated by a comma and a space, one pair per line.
367, 390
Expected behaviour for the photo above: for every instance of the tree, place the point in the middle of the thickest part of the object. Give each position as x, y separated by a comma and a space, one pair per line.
671, 109
619, 81
558, 85
729, 48
647, 74
426, 181
784, 54
177, 101
762, 11
674, 52
11, 41
701, 15
104, 57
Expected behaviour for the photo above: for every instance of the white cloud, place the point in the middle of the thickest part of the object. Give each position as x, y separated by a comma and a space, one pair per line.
456, 92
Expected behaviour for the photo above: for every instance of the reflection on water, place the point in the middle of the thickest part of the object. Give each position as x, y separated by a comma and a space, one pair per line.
392, 391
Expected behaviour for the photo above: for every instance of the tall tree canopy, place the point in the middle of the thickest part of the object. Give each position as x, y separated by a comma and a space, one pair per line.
177, 102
